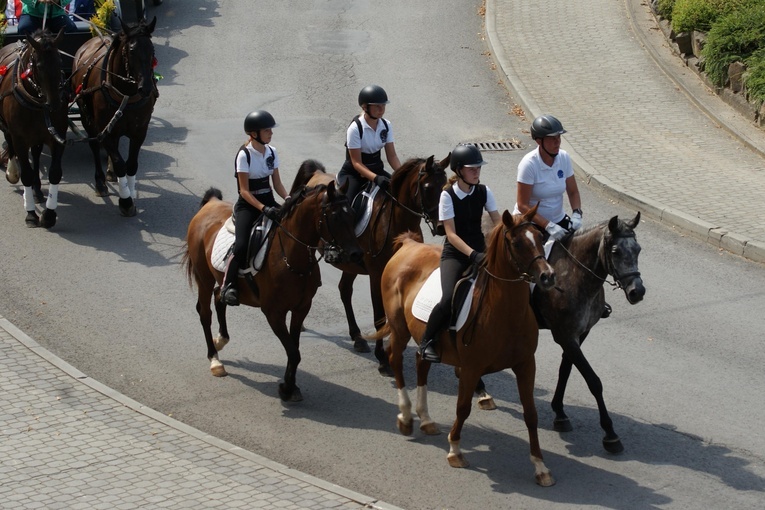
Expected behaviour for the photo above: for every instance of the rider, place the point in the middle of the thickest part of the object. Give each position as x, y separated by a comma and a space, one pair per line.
460, 208
366, 135
544, 174
257, 165
53, 11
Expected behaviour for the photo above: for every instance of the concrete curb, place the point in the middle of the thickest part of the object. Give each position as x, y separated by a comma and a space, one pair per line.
662, 213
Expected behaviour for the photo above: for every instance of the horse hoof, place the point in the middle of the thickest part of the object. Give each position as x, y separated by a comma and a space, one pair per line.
563, 425
48, 219
405, 428
613, 446
290, 396
39, 196
430, 429
102, 190
12, 171
385, 370
219, 371
487, 403
361, 346
545, 480
127, 207
32, 220
457, 460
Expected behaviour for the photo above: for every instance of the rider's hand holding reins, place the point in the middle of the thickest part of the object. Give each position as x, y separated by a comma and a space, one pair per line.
556, 231
576, 219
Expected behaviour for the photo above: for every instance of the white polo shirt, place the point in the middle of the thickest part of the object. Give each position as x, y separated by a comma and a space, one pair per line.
259, 164
373, 139
548, 183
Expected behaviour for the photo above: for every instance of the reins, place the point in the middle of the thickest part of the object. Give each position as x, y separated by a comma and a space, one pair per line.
607, 264
423, 215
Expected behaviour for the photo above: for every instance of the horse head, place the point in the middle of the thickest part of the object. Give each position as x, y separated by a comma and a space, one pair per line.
336, 227
137, 53
619, 252
417, 185
44, 65
525, 244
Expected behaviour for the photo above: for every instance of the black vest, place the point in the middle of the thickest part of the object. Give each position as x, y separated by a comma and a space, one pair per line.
467, 217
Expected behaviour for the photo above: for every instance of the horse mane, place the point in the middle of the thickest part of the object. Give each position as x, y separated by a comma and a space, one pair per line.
305, 172
492, 242
211, 193
400, 175
46, 39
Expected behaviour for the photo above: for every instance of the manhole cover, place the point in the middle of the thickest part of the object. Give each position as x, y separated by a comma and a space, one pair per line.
498, 146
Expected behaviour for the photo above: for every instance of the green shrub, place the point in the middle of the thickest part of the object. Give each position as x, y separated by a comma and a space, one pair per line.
754, 78
664, 8
688, 15
734, 37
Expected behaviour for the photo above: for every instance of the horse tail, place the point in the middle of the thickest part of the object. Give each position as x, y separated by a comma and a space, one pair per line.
380, 333
209, 195
305, 172
408, 236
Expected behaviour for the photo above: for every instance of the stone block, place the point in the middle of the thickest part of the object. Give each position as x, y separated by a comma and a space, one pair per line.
735, 75
683, 41
698, 40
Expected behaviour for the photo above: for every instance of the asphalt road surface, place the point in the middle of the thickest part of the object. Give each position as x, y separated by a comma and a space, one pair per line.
682, 371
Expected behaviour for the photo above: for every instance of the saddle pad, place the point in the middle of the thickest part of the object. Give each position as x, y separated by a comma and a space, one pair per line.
430, 294
548, 248
224, 240
363, 221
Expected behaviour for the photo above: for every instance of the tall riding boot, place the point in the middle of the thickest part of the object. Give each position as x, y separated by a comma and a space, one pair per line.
230, 292
430, 337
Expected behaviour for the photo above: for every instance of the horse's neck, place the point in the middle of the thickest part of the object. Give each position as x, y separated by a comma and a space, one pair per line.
406, 212
586, 249
117, 68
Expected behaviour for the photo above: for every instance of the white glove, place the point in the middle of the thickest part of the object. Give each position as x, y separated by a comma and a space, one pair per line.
556, 231
576, 221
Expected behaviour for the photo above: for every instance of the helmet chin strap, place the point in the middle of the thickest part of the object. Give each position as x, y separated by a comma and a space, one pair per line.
366, 110
459, 174
257, 138
542, 146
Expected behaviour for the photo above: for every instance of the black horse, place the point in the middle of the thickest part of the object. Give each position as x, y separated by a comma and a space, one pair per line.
582, 263
113, 80
33, 112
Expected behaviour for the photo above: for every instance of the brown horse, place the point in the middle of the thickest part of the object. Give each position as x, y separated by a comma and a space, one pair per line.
414, 193
289, 276
501, 331
32, 113
113, 80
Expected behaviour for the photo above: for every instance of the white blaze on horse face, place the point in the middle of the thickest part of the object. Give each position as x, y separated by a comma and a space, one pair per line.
52, 202
530, 236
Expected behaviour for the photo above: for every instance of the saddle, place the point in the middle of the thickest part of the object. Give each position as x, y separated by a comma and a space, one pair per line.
256, 251
362, 206
462, 298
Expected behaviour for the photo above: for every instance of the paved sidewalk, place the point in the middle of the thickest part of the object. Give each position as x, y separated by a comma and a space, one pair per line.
640, 124
69, 442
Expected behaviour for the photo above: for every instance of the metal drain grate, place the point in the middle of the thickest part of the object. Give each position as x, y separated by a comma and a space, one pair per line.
498, 146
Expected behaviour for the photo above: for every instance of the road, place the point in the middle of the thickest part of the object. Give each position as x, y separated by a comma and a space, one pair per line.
681, 370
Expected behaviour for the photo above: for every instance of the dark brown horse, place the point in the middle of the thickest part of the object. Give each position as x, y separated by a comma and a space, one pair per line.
583, 263
33, 112
414, 194
289, 277
113, 80
501, 331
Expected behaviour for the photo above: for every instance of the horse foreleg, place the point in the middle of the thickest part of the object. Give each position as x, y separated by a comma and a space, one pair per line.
12, 172
37, 186
561, 423
378, 311
611, 441
346, 294
467, 385
277, 319
126, 205
27, 179
427, 425
131, 165
99, 178
485, 401
55, 173
399, 337
525, 374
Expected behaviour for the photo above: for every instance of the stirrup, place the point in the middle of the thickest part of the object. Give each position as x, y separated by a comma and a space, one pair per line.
428, 351
230, 295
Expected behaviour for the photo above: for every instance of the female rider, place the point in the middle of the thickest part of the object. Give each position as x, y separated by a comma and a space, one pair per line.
460, 208
257, 165
366, 136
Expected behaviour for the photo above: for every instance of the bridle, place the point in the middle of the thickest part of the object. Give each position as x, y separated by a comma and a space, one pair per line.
525, 274
607, 261
419, 195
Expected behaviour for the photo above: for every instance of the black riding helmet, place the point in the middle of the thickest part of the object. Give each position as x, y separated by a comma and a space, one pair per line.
257, 120
373, 94
465, 155
546, 125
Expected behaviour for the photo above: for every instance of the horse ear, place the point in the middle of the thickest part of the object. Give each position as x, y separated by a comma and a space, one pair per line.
331, 190
508, 219
344, 186
444, 163
35, 44
613, 224
59, 37
123, 25
152, 24
634, 223
429, 164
